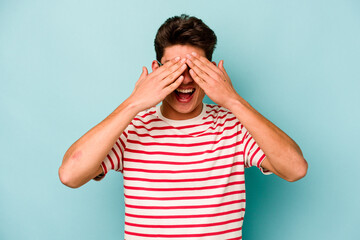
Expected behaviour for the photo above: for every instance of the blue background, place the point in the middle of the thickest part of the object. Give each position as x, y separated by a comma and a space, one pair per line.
65, 65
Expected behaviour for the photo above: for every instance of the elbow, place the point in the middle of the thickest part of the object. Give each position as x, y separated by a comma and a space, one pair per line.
67, 179
301, 171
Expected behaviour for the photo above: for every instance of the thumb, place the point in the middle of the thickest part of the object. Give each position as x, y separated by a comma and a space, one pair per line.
221, 65
142, 76
144, 72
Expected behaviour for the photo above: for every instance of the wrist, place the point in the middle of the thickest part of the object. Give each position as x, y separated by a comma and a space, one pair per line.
132, 106
236, 104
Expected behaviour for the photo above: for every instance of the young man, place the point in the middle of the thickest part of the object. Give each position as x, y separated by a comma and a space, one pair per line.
183, 162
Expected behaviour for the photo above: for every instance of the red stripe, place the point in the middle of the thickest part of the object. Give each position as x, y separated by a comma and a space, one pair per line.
184, 198
185, 216
183, 144
248, 153
252, 157
260, 160
184, 225
221, 124
216, 111
212, 105
183, 180
147, 114
150, 121
246, 133
117, 157
183, 171
122, 143
184, 163
121, 152
245, 137
104, 167
111, 161
216, 116
183, 154
183, 127
183, 235
184, 189
183, 136
246, 144
170, 127
125, 134
185, 207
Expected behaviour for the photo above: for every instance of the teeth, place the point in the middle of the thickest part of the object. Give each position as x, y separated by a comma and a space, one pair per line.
185, 90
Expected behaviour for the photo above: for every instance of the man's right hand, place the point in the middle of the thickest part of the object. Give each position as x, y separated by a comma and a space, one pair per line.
152, 88
82, 160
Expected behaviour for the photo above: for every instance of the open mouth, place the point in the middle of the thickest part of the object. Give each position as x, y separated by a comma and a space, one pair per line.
184, 95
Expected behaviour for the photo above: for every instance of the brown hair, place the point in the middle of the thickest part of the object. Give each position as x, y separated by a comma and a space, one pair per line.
185, 30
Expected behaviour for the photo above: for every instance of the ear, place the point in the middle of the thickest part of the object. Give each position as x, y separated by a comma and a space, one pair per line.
154, 65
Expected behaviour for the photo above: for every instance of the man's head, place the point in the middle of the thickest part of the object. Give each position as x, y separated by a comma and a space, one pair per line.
185, 30
177, 37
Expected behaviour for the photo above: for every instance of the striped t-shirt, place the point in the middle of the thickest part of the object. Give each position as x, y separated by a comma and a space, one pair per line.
184, 179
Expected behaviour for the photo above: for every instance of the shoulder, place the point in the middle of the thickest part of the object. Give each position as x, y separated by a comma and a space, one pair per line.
147, 114
218, 111
146, 117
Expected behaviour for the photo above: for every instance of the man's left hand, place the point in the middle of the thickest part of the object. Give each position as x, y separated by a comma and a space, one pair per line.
212, 79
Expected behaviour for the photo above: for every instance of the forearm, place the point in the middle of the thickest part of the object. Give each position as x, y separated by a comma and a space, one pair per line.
83, 159
283, 156
281, 151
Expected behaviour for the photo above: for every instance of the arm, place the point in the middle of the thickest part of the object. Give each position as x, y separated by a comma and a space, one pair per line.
283, 156
82, 161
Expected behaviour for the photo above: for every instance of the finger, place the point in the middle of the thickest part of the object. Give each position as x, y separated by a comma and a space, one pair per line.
199, 72
194, 61
174, 75
206, 61
144, 73
221, 66
205, 65
197, 78
174, 85
171, 68
160, 69
166, 65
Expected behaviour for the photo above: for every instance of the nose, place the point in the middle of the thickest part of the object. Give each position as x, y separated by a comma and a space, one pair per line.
187, 77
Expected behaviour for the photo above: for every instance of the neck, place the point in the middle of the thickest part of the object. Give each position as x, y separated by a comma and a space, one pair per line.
170, 113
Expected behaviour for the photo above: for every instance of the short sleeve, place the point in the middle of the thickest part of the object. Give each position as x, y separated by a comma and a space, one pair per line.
114, 159
253, 155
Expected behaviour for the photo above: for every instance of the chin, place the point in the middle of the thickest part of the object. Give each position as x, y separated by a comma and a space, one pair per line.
182, 107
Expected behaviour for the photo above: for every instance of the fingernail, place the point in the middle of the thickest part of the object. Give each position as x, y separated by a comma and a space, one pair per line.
183, 60
177, 58
188, 56
193, 53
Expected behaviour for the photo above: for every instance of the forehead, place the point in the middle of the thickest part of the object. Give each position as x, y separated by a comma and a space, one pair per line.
180, 51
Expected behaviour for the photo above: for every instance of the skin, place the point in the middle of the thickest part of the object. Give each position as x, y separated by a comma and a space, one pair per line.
283, 155
82, 161
171, 108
